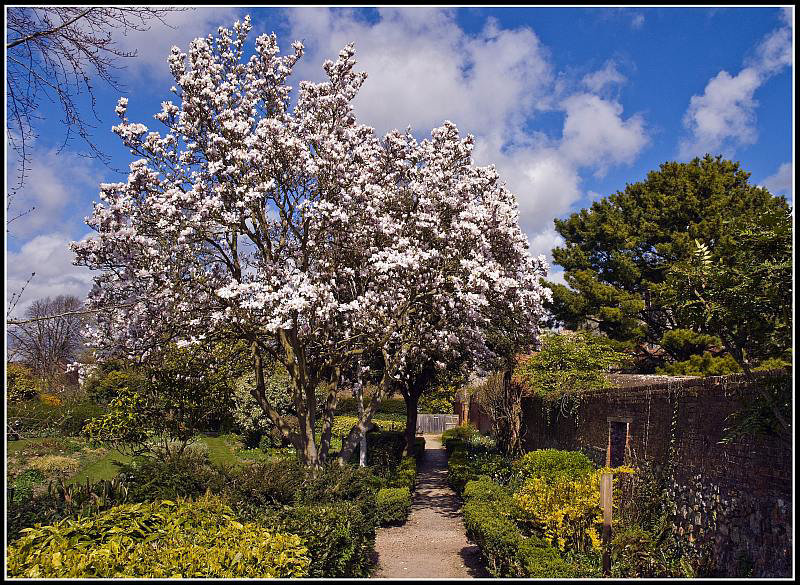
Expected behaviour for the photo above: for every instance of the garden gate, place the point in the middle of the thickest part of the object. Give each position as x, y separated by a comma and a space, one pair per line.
435, 423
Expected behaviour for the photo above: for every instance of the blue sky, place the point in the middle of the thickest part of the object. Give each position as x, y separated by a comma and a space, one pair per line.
569, 103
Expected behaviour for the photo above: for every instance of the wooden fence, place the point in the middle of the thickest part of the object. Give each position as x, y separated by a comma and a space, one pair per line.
436, 423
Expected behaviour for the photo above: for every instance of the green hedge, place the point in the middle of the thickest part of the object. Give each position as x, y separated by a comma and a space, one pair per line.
508, 553
486, 490
460, 470
339, 536
405, 475
156, 540
552, 465
394, 504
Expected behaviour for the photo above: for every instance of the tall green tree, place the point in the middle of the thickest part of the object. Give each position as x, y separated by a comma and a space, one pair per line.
617, 254
741, 290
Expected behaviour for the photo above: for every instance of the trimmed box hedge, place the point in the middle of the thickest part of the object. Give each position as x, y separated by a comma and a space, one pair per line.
394, 504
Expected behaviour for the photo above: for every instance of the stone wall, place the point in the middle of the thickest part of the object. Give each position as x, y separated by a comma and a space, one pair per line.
734, 497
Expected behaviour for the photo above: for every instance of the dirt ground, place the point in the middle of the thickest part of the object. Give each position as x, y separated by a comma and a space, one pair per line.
431, 544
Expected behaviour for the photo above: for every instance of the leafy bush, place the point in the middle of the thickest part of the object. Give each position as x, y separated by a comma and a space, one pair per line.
419, 447
552, 465
459, 471
463, 432
59, 501
465, 465
265, 484
452, 444
161, 539
405, 476
33, 418
339, 536
486, 490
190, 475
634, 554
495, 534
107, 380
20, 382
22, 485
488, 519
384, 450
559, 497
394, 504
702, 365
538, 560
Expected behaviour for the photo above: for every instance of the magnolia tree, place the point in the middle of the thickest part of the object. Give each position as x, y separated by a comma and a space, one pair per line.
302, 233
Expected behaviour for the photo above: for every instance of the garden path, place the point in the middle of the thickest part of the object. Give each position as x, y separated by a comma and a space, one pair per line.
432, 543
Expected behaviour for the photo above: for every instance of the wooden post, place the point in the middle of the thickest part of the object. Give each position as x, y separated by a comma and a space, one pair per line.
606, 501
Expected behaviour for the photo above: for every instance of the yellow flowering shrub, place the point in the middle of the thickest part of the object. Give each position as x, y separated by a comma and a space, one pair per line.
565, 510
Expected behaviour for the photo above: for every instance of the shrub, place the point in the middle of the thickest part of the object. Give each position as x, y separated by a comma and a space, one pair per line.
560, 497
459, 471
33, 418
496, 535
269, 483
394, 504
486, 490
106, 381
633, 554
552, 465
487, 517
384, 450
22, 485
540, 561
405, 476
20, 382
462, 432
339, 537
452, 444
419, 447
161, 539
190, 475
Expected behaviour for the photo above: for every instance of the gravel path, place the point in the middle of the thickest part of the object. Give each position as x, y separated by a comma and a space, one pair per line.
431, 544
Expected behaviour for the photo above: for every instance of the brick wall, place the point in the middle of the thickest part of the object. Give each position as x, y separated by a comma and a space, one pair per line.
736, 497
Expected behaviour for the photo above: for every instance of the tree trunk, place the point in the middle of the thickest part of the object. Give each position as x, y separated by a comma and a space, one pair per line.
412, 405
362, 446
360, 428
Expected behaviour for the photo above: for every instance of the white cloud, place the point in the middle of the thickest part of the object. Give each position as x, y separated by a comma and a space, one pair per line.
54, 183
596, 135
423, 69
780, 183
153, 46
49, 256
544, 242
607, 76
637, 21
724, 116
